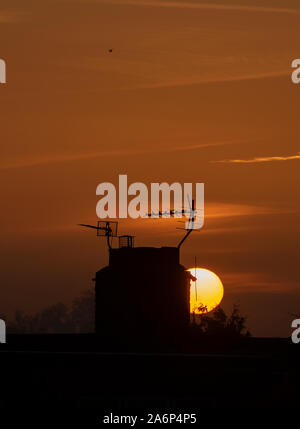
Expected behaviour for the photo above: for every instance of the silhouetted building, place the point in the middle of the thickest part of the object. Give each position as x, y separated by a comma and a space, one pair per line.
143, 290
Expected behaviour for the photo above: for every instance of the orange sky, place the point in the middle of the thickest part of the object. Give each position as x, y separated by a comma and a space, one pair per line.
188, 84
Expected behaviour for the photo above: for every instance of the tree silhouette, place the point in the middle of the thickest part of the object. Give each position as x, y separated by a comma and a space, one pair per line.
58, 318
80, 318
83, 312
218, 323
202, 308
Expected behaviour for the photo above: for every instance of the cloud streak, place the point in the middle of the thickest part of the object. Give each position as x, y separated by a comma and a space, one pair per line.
206, 6
113, 153
259, 159
207, 80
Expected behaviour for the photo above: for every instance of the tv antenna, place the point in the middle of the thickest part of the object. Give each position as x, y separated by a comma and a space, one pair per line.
105, 229
191, 220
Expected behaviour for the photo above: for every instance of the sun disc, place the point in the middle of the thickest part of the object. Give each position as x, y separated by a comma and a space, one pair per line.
206, 292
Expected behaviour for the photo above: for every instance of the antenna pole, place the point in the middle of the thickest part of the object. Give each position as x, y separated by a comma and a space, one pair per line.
184, 238
190, 230
196, 294
107, 239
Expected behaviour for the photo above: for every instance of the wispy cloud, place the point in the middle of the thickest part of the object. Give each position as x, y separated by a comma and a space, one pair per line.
190, 81
209, 6
259, 159
113, 153
203, 70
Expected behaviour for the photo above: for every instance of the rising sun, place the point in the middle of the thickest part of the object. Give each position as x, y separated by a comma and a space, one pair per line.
206, 292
